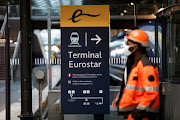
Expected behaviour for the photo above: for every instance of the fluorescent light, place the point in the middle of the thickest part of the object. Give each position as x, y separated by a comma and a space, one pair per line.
131, 3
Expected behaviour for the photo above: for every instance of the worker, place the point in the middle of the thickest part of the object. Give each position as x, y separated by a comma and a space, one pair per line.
128, 64
140, 98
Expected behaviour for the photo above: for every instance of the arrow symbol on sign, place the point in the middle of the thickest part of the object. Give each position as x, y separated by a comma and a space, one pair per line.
97, 39
100, 103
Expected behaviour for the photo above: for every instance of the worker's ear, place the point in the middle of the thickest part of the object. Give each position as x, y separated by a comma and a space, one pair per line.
136, 46
133, 48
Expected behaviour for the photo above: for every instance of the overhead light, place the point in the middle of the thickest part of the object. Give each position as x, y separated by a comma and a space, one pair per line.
131, 3
122, 14
150, 22
125, 29
125, 11
160, 9
15, 43
11, 41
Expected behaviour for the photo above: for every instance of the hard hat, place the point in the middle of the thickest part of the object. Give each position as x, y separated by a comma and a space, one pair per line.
139, 36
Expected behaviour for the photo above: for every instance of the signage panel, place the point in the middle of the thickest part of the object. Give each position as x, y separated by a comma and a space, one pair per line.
85, 60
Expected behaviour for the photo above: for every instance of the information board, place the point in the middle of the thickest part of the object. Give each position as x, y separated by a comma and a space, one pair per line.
85, 59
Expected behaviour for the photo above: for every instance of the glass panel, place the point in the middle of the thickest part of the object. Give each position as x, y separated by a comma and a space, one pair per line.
149, 28
15, 71
39, 11
159, 59
147, 9
128, 9
115, 9
14, 11
122, 10
173, 47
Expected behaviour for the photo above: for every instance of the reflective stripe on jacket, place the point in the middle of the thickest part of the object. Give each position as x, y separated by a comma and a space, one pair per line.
142, 88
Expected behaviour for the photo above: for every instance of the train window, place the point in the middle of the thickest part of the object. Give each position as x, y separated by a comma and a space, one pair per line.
173, 47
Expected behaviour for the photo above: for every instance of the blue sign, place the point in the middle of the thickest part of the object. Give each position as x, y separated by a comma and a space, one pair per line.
85, 70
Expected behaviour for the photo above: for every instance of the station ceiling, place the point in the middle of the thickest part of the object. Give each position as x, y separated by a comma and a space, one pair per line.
54, 3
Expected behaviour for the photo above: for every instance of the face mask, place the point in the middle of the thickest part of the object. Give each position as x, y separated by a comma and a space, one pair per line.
127, 52
125, 39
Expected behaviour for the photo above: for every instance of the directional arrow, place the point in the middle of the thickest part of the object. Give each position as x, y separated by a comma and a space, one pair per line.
97, 39
100, 103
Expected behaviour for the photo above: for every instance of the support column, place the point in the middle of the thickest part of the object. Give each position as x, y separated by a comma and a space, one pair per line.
7, 63
26, 60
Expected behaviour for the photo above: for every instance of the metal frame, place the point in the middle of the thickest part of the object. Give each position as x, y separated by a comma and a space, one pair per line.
166, 87
162, 17
26, 61
49, 49
164, 55
7, 63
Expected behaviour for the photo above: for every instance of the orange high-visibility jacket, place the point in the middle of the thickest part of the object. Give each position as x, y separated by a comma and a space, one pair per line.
142, 88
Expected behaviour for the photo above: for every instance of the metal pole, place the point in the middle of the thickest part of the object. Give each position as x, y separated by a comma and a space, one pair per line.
156, 43
26, 60
164, 61
49, 49
135, 15
14, 56
40, 99
7, 63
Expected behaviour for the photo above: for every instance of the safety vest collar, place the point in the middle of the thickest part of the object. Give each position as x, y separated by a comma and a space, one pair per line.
138, 60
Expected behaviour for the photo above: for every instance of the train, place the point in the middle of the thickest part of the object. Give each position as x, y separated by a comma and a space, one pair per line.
118, 58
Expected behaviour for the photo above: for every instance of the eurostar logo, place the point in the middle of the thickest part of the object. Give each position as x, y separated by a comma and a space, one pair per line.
79, 13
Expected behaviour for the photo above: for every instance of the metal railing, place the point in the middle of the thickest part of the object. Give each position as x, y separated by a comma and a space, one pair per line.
4, 24
16, 50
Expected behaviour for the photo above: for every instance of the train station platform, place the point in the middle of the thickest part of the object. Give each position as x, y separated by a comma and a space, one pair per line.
16, 95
